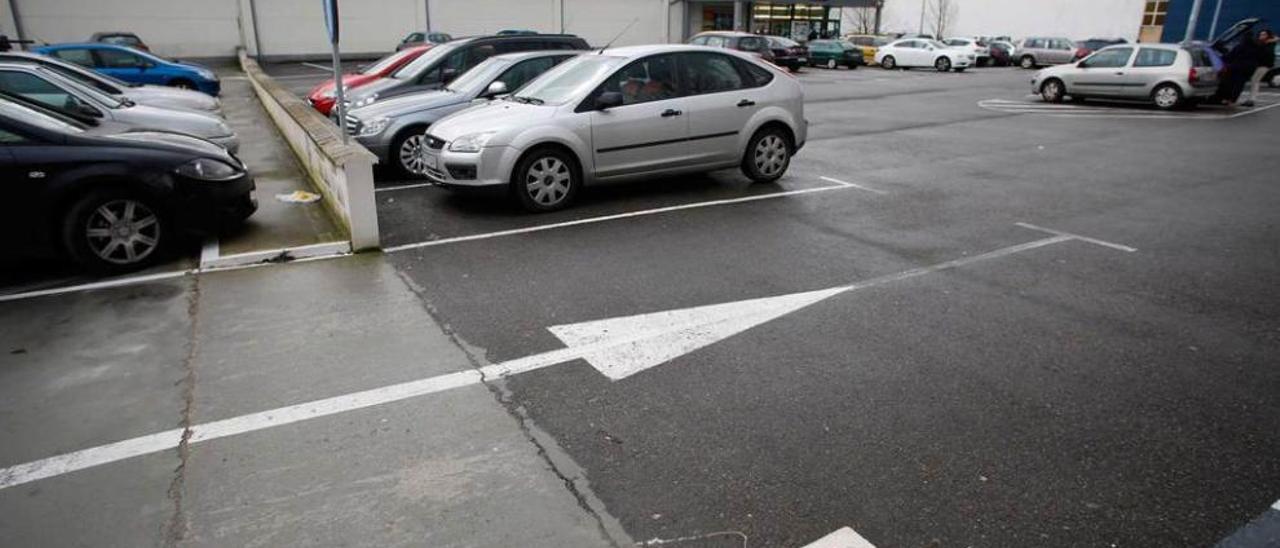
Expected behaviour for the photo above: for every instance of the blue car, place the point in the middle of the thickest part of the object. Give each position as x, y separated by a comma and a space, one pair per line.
135, 66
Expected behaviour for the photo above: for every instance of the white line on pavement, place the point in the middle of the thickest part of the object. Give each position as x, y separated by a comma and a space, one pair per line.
1276, 506
105, 284
285, 254
1103, 243
847, 183
402, 187
104, 454
210, 251
844, 537
315, 66
630, 214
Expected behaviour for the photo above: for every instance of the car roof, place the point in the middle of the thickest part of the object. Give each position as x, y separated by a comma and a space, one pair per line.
632, 52
522, 55
734, 33
114, 33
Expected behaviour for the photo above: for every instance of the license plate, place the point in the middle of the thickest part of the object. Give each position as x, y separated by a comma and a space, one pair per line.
431, 160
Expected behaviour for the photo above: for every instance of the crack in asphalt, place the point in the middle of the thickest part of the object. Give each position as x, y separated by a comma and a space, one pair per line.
497, 387
178, 525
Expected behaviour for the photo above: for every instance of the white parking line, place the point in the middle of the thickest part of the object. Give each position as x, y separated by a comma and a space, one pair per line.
1103, 243
844, 537
210, 251
641, 213
847, 183
315, 66
1119, 112
402, 187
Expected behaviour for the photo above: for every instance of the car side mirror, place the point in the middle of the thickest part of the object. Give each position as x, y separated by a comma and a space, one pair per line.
87, 110
498, 87
608, 100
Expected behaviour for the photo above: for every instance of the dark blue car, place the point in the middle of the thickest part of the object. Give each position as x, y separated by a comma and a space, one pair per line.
135, 66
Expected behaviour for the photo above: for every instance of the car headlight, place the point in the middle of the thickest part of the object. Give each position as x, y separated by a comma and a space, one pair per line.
208, 169
470, 143
365, 101
374, 126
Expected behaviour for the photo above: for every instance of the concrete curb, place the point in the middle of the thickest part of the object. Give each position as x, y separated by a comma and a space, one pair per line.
343, 173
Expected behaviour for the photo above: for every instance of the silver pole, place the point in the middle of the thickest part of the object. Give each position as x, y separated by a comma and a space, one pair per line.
1213, 28
341, 94
1193, 20
922, 4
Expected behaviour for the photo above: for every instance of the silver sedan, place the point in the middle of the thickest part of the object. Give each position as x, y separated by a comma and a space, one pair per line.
623, 114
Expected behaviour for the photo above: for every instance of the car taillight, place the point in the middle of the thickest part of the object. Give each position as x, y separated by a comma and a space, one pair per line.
1193, 76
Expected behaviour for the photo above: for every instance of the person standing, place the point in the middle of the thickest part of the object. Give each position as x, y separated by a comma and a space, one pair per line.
1266, 61
1241, 61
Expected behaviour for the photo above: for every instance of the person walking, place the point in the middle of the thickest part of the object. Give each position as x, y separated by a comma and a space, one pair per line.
1241, 61
1266, 61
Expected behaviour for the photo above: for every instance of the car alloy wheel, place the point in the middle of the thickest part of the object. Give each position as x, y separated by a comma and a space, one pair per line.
1167, 96
888, 62
770, 156
548, 181
1052, 91
831, 64
123, 232
943, 64
411, 155
1027, 62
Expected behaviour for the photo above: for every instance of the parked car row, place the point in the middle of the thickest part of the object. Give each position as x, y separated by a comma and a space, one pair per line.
115, 153
533, 117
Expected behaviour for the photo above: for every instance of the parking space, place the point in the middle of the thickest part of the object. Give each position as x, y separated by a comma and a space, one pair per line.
956, 321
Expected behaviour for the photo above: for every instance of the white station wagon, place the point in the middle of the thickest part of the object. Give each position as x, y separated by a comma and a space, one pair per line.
623, 114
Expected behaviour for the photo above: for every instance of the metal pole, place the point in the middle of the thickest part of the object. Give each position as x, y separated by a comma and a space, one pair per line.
922, 4
340, 95
427, 6
257, 40
17, 20
1193, 20
1213, 28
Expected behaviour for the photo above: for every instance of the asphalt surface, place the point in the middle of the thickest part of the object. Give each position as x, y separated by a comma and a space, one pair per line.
1074, 394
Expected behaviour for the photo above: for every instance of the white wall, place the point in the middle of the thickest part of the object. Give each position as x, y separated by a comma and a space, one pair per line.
598, 21
296, 27
471, 17
189, 28
1075, 19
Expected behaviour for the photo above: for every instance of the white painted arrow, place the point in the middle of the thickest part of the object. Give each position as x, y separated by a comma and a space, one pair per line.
618, 347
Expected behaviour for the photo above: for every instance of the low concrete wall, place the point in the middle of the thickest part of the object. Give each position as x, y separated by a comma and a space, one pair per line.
342, 172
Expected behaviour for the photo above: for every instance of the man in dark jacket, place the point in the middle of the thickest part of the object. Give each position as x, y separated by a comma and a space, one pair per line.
1266, 61
1242, 62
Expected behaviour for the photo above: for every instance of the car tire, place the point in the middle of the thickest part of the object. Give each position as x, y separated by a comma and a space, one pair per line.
942, 64
1053, 91
405, 155
1167, 96
546, 179
853, 65
962, 69
768, 155
1027, 62
888, 63
115, 230
182, 83
1274, 81
832, 64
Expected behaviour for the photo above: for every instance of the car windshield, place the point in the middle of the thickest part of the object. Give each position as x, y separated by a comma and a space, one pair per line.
423, 61
37, 118
82, 90
382, 64
568, 81
485, 71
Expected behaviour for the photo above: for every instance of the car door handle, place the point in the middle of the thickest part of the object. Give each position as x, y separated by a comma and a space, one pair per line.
671, 112
746, 103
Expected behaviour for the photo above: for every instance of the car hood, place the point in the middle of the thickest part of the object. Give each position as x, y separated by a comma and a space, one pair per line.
1054, 71
183, 121
381, 86
401, 105
504, 118
167, 97
173, 141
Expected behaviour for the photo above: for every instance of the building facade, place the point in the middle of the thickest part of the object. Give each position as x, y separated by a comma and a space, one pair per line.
1075, 19
295, 28
1215, 16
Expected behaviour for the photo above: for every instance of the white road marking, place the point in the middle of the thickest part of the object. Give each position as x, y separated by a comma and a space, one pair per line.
402, 187
844, 537
604, 343
105, 284
210, 251
1103, 243
601, 219
320, 67
1119, 112
1276, 506
277, 255
847, 183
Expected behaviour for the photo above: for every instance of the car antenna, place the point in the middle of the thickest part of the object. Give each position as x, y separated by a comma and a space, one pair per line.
615, 38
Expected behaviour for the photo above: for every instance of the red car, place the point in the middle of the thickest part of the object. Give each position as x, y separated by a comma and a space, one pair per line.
323, 96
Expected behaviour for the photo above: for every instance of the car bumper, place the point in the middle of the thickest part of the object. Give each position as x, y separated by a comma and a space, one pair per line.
204, 207
489, 169
322, 104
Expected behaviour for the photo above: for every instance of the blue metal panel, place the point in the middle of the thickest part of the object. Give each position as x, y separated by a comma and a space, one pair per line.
1175, 25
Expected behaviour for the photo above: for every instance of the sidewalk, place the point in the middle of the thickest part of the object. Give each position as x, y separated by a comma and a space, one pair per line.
455, 468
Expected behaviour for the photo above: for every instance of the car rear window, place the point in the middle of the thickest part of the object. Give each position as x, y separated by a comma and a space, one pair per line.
80, 57
1201, 57
756, 76
1151, 57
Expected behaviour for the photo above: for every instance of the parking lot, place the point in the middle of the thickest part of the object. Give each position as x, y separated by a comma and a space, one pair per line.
963, 318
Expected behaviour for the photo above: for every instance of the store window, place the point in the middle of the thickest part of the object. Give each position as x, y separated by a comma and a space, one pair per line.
796, 21
1155, 13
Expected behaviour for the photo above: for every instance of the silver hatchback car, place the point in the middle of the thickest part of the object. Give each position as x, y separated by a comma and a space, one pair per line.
1168, 75
623, 114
